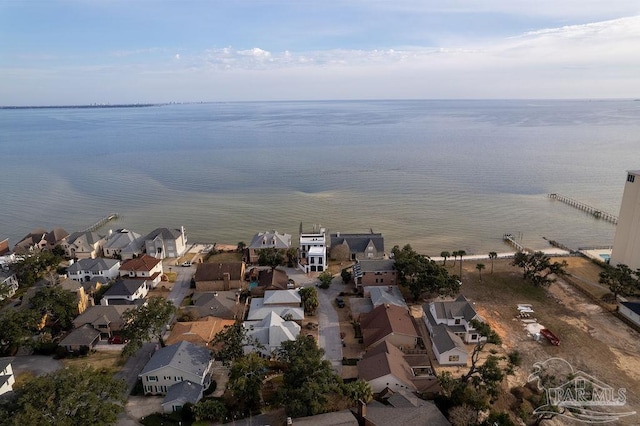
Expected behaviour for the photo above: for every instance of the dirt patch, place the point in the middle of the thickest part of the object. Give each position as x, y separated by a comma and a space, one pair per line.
592, 339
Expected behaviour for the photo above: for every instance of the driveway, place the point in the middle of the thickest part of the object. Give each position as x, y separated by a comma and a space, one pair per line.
135, 364
329, 325
35, 364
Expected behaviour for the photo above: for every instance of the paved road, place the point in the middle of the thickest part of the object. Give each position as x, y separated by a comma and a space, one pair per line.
329, 325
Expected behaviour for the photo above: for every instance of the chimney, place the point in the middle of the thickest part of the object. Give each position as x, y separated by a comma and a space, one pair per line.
226, 278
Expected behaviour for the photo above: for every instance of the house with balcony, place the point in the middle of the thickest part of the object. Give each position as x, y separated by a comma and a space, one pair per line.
144, 267
85, 270
164, 242
267, 240
312, 251
105, 319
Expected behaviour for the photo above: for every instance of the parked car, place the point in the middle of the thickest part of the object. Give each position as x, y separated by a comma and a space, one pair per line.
340, 302
117, 340
185, 264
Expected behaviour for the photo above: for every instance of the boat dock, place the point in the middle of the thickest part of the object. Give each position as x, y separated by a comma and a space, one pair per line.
101, 222
512, 241
597, 213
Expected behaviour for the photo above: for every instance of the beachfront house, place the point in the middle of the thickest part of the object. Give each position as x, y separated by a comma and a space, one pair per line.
163, 242
40, 239
312, 251
456, 315
123, 244
83, 245
267, 240
356, 246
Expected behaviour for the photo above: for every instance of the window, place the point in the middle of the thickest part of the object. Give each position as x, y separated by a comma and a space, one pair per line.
453, 358
631, 178
474, 337
457, 322
152, 378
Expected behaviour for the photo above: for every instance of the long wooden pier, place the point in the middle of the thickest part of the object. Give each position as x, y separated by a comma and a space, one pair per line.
101, 222
597, 213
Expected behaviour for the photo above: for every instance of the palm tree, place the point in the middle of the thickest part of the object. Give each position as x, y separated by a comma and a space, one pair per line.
461, 253
480, 267
359, 390
444, 255
455, 256
492, 255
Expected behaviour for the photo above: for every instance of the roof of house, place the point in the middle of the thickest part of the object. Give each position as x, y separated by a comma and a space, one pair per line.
199, 332
56, 235
382, 360
376, 265
216, 271
336, 418
358, 243
450, 309
122, 238
379, 414
272, 330
33, 237
385, 320
258, 310
282, 297
71, 285
124, 288
100, 315
93, 265
381, 295
4, 362
85, 335
182, 393
444, 340
271, 278
632, 306
221, 304
142, 263
182, 356
91, 237
271, 239
164, 234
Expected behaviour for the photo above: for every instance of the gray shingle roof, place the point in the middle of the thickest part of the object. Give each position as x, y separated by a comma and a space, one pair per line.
124, 288
358, 243
183, 392
183, 356
376, 265
93, 265
444, 340
90, 236
459, 308
85, 335
4, 362
271, 239
164, 233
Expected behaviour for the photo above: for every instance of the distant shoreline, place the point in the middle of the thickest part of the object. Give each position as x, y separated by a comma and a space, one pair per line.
82, 106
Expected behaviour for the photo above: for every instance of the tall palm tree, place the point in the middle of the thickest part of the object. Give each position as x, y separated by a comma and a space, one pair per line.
444, 255
492, 255
461, 253
480, 267
455, 256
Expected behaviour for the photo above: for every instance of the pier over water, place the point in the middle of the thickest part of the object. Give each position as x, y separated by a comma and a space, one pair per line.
597, 213
101, 222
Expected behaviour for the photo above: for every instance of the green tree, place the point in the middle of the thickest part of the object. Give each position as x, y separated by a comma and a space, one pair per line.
492, 256
360, 390
480, 267
455, 256
60, 305
346, 276
292, 256
538, 268
68, 397
270, 257
210, 409
621, 280
34, 266
325, 278
16, 328
444, 255
229, 343
241, 246
145, 323
245, 379
310, 300
308, 380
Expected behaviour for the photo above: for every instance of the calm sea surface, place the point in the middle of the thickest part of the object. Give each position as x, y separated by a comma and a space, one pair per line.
440, 175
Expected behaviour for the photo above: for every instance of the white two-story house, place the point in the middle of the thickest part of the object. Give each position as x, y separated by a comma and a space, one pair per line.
143, 268
85, 270
456, 315
312, 251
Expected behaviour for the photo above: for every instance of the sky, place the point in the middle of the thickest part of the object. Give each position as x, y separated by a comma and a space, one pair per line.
71, 52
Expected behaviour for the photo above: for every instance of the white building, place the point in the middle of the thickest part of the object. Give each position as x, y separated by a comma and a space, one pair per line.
626, 244
313, 251
85, 270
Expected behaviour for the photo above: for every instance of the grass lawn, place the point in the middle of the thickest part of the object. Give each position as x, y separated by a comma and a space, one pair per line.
225, 257
98, 360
